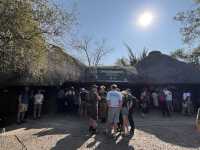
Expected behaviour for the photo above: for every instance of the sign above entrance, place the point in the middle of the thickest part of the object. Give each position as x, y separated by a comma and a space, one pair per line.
111, 75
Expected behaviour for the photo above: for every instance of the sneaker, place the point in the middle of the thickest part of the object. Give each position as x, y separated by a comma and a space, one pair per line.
132, 132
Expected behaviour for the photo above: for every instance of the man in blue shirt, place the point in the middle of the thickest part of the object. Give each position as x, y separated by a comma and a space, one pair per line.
23, 105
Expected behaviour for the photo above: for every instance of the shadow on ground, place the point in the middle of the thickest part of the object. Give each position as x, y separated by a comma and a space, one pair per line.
178, 131
98, 142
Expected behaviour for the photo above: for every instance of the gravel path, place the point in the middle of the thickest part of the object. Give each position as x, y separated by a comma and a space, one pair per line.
69, 133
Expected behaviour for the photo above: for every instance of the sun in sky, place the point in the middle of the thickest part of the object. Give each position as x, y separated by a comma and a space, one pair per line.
145, 19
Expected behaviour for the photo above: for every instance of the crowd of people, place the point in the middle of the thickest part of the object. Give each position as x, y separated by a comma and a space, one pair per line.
115, 107
112, 106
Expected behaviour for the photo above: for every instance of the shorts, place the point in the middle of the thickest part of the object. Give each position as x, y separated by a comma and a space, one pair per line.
113, 114
124, 111
23, 107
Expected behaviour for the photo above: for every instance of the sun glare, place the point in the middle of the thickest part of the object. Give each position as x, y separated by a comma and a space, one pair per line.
145, 19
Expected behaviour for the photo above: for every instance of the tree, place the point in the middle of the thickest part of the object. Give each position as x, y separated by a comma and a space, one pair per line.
144, 54
94, 53
179, 53
191, 24
132, 58
190, 34
122, 62
25, 27
190, 57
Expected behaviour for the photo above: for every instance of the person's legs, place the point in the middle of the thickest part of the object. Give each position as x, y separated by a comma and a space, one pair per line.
125, 124
22, 116
39, 110
19, 117
84, 109
24, 110
90, 125
168, 106
131, 122
183, 109
116, 114
167, 110
162, 108
120, 123
109, 121
35, 111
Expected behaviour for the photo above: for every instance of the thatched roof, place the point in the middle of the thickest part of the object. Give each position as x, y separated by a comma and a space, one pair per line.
60, 67
158, 68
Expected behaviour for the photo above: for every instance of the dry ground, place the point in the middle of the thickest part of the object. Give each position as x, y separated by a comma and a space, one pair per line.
70, 133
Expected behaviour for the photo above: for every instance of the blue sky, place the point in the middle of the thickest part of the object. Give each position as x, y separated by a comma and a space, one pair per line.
115, 21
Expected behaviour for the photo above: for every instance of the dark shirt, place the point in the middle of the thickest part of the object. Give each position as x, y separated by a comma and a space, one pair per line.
93, 98
61, 94
84, 96
25, 98
103, 96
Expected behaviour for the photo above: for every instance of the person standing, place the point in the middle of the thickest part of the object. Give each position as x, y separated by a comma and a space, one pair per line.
60, 100
114, 101
83, 102
124, 111
189, 103
131, 105
168, 97
184, 103
70, 99
155, 99
23, 100
144, 102
92, 105
162, 103
103, 107
38, 101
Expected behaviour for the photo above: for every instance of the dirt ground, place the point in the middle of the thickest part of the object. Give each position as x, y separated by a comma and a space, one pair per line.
64, 132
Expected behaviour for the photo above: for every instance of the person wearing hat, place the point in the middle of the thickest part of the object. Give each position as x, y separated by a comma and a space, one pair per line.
103, 107
93, 98
114, 101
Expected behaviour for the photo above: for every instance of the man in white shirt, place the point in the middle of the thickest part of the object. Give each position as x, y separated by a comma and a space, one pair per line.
155, 99
168, 97
114, 101
38, 101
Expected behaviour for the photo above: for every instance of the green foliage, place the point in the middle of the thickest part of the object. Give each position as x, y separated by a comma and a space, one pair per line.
122, 62
191, 24
132, 58
20, 51
179, 53
25, 27
190, 31
144, 54
190, 57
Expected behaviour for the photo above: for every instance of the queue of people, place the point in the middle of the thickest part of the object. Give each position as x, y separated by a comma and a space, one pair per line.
164, 100
111, 106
